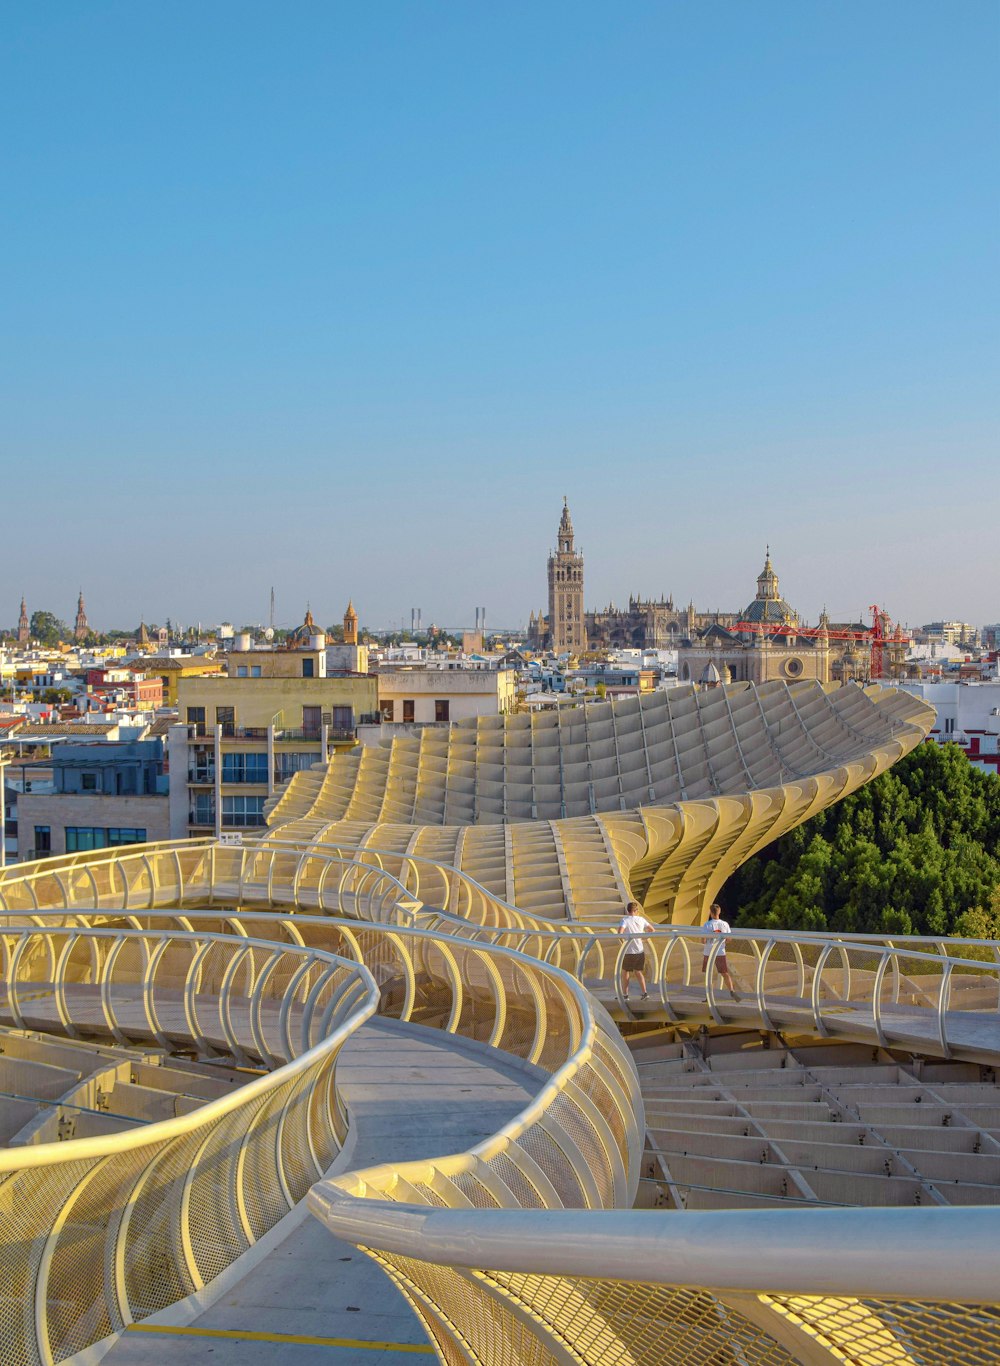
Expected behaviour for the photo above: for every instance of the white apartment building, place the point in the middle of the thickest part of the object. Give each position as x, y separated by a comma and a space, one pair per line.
968, 715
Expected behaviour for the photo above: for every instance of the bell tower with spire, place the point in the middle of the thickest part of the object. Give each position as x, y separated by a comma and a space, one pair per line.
350, 625
81, 628
566, 624
23, 625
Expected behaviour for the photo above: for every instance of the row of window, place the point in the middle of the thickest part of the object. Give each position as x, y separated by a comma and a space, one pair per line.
442, 709
83, 837
252, 768
236, 811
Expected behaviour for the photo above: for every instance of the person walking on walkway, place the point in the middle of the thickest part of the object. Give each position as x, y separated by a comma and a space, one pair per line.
634, 925
716, 925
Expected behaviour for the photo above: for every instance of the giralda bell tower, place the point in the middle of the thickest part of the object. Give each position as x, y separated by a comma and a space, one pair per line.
566, 633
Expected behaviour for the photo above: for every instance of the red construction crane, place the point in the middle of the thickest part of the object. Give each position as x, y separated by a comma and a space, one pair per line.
876, 636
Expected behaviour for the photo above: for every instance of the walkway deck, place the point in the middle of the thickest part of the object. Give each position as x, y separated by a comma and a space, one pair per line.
412, 1092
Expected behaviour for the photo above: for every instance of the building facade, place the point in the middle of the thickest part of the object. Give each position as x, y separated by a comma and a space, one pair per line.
243, 735
429, 694
103, 796
967, 715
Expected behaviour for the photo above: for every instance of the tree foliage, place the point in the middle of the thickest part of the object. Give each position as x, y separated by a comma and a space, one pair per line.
916, 851
46, 628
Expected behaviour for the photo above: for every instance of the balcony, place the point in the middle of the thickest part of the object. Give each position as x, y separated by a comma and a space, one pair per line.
205, 730
201, 775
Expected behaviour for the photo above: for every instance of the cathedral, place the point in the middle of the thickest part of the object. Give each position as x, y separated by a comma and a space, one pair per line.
646, 624
766, 641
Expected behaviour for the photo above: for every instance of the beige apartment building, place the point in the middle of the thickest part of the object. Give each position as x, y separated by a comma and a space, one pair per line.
444, 693
243, 735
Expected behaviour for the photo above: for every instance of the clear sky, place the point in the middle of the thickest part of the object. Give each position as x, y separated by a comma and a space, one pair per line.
343, 298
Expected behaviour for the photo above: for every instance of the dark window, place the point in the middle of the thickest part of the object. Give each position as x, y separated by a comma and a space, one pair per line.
80, 838
407, 708
126, 834
386, 709
241, 811
308, 668
88, 782
195, 715
441, 710
226, 718
312, 721
244, 768
202, 808
43, 840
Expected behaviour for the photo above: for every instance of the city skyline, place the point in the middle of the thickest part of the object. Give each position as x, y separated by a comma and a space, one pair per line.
288, 616
352, 298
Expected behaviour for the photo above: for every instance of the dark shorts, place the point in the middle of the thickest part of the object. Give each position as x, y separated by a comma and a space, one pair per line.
634, 962
720, 963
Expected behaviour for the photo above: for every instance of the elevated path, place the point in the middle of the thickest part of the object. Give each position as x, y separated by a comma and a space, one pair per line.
411, 1093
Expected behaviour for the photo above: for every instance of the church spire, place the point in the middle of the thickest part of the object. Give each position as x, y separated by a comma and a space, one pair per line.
81, 628
350, 625
566, 529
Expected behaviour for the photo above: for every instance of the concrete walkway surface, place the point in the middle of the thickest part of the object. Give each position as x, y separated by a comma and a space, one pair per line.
412, 1093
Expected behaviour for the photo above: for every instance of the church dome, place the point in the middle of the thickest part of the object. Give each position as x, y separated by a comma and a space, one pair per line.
769, 607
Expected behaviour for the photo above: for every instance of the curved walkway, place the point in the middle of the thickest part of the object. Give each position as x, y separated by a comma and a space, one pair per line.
284, 1290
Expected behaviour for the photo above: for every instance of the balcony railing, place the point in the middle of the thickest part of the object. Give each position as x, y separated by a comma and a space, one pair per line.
205, 730
242, 822
201, 775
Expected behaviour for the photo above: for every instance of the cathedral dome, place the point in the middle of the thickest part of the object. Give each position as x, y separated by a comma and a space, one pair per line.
769, 606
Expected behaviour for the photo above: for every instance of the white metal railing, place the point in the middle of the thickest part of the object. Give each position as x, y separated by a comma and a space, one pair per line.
263, 998
885, 1287
104, 1230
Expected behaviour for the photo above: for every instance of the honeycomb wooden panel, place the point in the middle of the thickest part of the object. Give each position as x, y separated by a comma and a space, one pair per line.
659, 797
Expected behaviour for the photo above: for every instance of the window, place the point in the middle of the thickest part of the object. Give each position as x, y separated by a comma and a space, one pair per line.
83, 837
407, 708
124, 834
287, 764
308, 668
202, 808
949, 726
196, 715
386, 709
240, 811
226, 718
244, 768
43, 840
312, 721
441, 709
88, 782
255, 671
241, 671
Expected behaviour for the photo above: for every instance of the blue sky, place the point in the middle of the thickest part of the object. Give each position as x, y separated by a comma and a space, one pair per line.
344, 298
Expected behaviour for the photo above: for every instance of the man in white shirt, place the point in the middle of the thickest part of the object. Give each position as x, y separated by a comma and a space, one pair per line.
716, 925
634, 925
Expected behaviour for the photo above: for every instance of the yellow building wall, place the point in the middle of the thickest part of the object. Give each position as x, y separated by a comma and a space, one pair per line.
171, 677
258, 701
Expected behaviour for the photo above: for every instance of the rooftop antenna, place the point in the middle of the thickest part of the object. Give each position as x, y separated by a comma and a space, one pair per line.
271, 621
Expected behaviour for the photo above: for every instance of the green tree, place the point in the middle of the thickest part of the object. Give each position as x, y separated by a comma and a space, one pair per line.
912, 852
47, 628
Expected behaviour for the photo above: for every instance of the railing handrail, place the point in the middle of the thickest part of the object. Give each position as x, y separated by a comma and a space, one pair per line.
799, 1251
161, 1131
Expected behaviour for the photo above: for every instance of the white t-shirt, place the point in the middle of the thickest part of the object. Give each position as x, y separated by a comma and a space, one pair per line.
634, 925
719, 926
